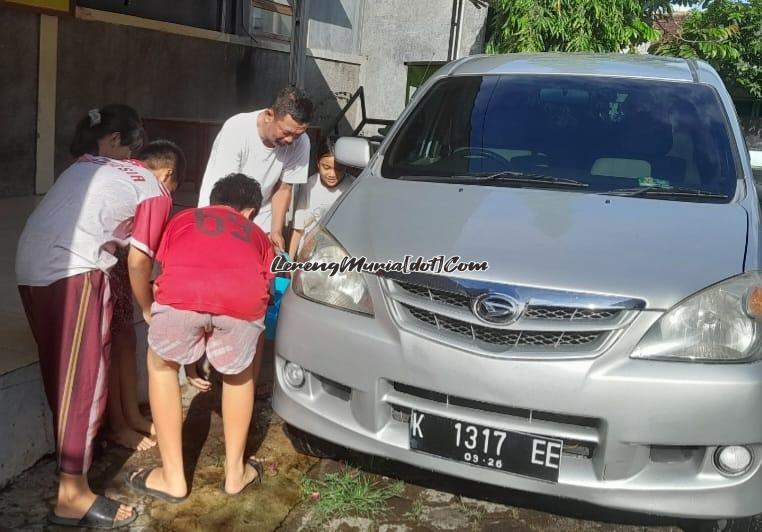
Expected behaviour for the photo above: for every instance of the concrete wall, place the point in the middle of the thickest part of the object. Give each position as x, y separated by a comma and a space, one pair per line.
336, 25
159, 74
19, 37
330, 84
422, 34
166, 75
26, 432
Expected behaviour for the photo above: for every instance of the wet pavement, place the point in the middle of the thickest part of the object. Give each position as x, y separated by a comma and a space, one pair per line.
428, 502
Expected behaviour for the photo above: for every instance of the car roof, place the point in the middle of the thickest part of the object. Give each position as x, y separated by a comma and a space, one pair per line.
584, 64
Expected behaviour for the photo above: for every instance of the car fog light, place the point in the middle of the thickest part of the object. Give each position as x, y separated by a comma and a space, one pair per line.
294, 375
733, 459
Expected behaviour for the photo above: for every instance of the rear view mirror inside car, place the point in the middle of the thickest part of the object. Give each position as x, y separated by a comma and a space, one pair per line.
564, 96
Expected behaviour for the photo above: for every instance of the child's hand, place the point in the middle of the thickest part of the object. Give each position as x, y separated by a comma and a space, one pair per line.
278, 242
191, 374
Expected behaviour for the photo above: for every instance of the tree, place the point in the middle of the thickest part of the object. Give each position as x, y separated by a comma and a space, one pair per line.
572, 25
727, 34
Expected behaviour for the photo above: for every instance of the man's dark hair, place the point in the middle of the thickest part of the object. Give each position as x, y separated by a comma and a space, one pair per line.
238, 191
163, 153
292, 101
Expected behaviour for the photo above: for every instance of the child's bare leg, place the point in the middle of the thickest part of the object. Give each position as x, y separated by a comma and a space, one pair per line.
119, 431
128, 377
258, 358
237, 409
166, 406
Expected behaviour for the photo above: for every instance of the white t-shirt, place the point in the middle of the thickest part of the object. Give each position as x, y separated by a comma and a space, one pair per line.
314, 199
95, 206
238, 148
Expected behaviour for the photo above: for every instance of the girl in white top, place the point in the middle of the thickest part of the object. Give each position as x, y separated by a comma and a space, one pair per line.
65, 256
317, 195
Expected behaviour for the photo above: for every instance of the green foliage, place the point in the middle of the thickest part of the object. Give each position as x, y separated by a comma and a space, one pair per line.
571, 25
727, 34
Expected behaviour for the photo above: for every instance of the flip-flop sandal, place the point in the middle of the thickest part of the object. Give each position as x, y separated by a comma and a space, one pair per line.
258, 467
137, 481
101, 516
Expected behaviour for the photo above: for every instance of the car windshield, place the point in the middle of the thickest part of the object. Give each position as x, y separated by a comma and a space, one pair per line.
649, 138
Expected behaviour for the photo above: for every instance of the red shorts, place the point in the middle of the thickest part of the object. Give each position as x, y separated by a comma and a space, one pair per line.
70, 320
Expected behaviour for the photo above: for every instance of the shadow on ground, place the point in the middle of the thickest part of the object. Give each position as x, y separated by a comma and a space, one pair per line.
24, 504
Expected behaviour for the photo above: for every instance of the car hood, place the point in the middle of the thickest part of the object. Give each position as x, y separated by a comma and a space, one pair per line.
656, 250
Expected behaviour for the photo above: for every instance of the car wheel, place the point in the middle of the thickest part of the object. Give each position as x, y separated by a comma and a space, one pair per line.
744, 524
306, 443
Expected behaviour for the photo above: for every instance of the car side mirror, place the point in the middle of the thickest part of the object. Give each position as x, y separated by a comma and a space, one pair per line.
352, 151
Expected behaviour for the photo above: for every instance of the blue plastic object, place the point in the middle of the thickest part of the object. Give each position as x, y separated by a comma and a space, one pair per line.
271, 318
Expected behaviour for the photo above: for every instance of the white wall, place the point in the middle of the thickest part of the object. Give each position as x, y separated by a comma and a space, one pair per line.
397, 31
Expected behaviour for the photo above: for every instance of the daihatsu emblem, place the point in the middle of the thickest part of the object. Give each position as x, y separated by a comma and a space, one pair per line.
498, 309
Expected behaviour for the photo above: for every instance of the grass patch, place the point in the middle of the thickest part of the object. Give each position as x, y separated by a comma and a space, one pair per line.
349, 494
414, 514
474, 514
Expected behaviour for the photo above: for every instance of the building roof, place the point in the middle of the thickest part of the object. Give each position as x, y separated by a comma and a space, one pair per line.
615, 65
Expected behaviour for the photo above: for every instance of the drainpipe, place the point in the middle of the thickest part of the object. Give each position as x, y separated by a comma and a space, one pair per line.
299, 23
458, 7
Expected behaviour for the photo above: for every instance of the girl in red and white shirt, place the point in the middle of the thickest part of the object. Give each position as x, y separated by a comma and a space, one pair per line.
65, 254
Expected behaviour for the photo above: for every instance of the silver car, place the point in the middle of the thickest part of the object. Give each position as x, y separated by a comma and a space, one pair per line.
610, 351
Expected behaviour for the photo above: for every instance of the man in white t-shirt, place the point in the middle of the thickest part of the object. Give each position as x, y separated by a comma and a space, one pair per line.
270, 146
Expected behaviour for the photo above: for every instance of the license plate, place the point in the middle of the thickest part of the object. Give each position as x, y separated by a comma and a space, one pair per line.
514, 452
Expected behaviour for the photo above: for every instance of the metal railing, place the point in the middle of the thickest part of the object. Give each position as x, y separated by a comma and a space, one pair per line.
359, 95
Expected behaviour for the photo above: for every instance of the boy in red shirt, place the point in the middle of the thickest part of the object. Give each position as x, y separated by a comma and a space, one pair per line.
211, 297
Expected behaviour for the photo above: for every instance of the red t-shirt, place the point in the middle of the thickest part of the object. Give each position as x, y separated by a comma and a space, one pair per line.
215, 260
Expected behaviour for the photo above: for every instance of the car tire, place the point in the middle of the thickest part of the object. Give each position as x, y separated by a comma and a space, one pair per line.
306, 443
744, 524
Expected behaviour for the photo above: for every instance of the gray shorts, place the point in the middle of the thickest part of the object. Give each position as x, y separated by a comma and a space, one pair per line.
182, 336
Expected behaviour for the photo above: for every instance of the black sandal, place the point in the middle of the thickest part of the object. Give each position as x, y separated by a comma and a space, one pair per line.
137, 481
101, 515
258, 467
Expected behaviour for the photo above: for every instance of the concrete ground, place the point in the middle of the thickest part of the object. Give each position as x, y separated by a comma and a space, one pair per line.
428, 502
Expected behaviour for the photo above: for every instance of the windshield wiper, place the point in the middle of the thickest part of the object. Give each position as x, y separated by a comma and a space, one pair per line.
506, 176
671, 192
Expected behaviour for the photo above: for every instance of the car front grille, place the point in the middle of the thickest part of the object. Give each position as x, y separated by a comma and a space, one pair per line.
504, 338
570, 314
551, 323
533, 312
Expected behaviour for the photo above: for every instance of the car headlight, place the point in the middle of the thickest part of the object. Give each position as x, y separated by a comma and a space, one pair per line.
719, 324
344, 290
